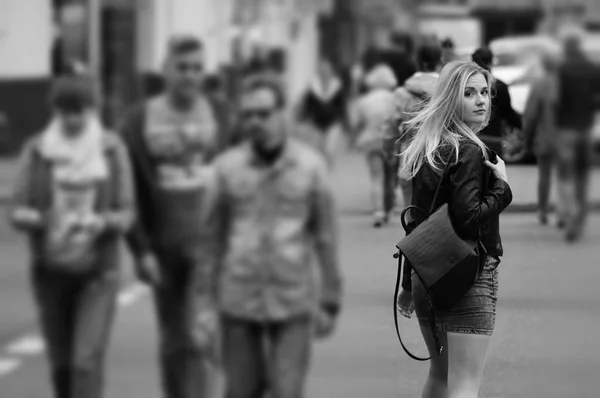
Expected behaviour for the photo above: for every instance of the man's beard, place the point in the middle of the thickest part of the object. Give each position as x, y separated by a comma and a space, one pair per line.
267, 152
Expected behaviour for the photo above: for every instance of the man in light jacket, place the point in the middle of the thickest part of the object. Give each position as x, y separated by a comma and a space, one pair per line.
270, 210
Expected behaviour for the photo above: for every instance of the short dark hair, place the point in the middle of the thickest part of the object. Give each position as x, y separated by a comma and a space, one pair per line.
447, 43
483, 57
272, 84
404, 39
181, 45
429, 56
73, 93
213, 82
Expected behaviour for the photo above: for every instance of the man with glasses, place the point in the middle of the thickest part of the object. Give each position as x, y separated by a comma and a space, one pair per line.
171, 139
269, 211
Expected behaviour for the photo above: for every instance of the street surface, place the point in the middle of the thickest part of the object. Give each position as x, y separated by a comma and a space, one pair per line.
545, 343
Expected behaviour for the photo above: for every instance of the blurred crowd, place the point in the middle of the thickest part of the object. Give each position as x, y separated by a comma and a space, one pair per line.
223, 205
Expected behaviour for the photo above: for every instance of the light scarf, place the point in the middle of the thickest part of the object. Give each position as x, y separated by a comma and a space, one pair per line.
77, 159
325, 93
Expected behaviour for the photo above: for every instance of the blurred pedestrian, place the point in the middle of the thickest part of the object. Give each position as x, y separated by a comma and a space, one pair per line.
400, 56
579, 89
216, 93
270, 210
448, 51
476, 191
172, 138
323, 108
372, 116
503, 114
409, 99
540, 129
74, 199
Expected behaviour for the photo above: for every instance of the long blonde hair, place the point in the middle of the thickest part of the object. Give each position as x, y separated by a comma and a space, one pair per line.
440, 121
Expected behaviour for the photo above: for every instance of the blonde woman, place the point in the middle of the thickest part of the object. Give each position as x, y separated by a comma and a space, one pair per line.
477, 191
372, 117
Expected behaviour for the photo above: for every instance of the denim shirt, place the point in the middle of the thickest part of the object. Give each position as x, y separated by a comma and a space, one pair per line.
264, 225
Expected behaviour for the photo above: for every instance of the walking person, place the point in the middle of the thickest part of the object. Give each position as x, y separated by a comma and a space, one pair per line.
476, 191
372, 117
579, 90
323, 108
171, 139
270, 211
540, 129
503, 115
74, 199
410, 98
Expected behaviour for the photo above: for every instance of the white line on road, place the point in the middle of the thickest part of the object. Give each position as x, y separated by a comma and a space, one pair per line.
26, 346
32, 344
8, 365
131, 294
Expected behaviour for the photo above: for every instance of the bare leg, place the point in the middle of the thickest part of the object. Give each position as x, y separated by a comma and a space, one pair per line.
375, 163
466, 361
436, 385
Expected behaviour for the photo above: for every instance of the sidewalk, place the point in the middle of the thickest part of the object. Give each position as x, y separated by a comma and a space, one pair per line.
351, 170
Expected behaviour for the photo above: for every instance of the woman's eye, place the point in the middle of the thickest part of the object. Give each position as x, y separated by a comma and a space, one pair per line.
468, 94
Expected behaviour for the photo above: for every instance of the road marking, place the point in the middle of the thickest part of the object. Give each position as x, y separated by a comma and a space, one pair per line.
8, 365
131, 294
26, 346
32, 344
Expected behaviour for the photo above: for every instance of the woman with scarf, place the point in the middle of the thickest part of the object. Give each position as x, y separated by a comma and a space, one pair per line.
74, 199
323, 108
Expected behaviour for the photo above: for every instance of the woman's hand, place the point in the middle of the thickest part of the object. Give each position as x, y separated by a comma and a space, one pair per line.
405, 303
499, 169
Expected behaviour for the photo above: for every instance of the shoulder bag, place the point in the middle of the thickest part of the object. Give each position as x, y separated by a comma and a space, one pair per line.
447, 265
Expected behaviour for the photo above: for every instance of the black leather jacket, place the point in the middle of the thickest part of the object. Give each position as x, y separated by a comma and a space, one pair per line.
474, 195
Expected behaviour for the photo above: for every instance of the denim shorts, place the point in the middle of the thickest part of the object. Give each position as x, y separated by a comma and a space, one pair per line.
474, 313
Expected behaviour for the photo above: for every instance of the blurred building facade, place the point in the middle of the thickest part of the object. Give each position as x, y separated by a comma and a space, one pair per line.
355, 25
124, 42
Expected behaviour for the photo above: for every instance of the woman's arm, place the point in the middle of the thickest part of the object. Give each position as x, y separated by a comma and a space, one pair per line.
121, 216
22, 215
472, 205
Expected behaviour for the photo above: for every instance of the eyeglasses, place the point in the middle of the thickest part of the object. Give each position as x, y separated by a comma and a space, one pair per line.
184, 67
262, 114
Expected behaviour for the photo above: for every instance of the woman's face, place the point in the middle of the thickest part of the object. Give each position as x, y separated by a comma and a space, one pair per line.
475, 100
72, 122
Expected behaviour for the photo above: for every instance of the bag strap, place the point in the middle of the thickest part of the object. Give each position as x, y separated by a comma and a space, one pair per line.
438, 345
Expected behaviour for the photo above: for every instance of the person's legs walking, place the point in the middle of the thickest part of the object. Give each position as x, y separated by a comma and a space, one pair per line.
567, 185
54, 297
544, 184
289, 356
185, 370
390, 177
333, 136
375, 164
243, 358
582, 179
96, 305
